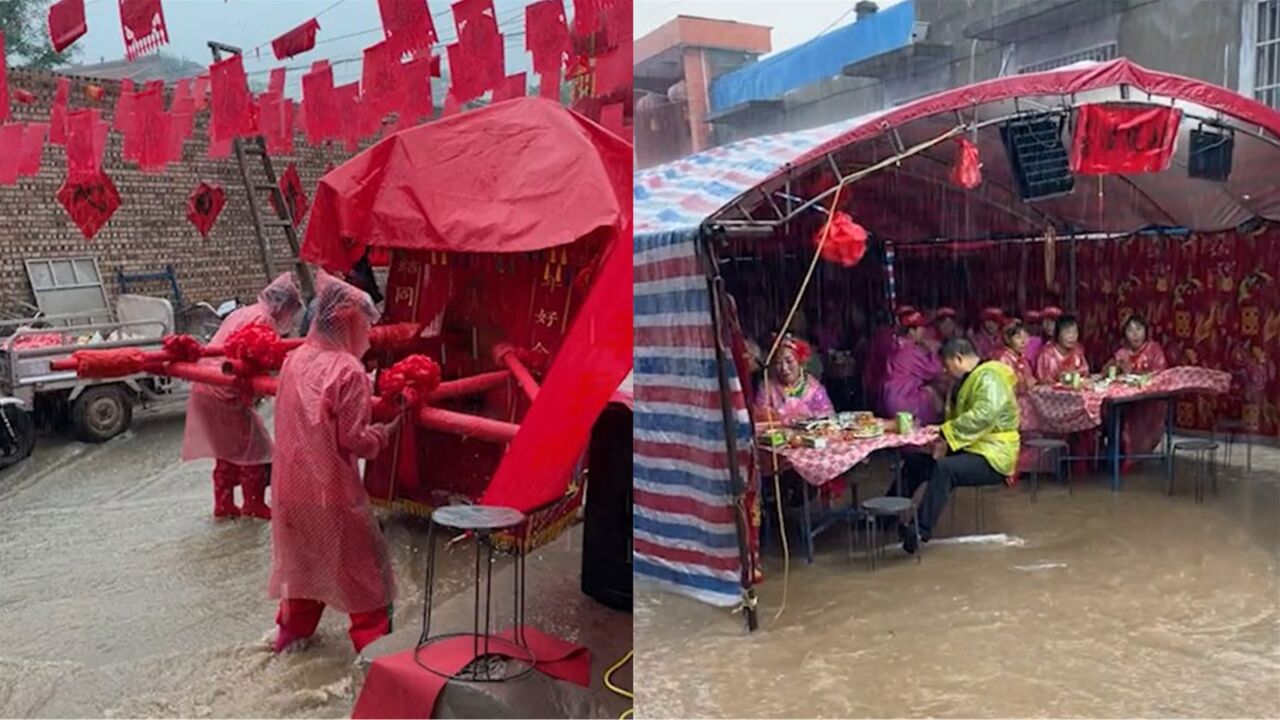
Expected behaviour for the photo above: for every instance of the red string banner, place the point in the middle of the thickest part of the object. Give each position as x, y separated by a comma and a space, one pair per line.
1111, 139
10, 137
142, 22
232, 105
203, 207
408, 26
320, 103
58, 112
143, 104
546, 35
296, 41
66, 23
32, 149
90, 200
4, 81
181, 127
451, 105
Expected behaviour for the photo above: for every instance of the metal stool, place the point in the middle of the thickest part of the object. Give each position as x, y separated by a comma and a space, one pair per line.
1204, 454
1050, 448
979, 505
1227, 432
886, 507
481, 521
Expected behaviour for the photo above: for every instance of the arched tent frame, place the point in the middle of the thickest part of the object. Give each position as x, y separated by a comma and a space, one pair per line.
692, 530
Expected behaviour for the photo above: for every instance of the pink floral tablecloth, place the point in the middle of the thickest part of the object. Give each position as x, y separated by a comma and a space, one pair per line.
820, 466
1062, 411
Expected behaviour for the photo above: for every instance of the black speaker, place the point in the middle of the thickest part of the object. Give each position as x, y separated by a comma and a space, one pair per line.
1210, 155
606, 531
1038, 156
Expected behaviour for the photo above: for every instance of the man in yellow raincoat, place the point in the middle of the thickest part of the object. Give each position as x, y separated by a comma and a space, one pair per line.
979, 444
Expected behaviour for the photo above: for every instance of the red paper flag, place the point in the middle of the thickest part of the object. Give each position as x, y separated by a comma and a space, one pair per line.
472, 69
546, 35
276, 123
549, 85
183, 101
1112, 139
417, 102
296, 41
10, 137
140, 125
199, 93
478, 34
611, 117
181, 126
350, 119
66, 23
90, 199
323, 121
204, 206
82, 156
294, 196
275, 84
408, 26
144, 29
4, 82
613, 72
124, 106
588, 17
232, 105
451, 105
218, 149
381, 90
514, 87
32, 149
58, 112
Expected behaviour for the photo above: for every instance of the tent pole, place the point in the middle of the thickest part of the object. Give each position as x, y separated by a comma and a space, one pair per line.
1071, 264
715, 286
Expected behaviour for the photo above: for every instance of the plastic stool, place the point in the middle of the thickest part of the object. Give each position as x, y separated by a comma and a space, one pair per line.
1050, 448
1227, 432
1204, 455
887, 507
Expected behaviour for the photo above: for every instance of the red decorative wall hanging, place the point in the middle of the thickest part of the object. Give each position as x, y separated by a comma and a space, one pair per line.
294, 196
275, 83
58, 112
549, 85
66, 23
124, 106
296, 41
417, 103
514, 87
144, 29
322, 120
480, 49
408, 26
1112, 139
83, 151
232, 104
10, 137
204, 206
90, 199
32, 149
546, 35
381, 89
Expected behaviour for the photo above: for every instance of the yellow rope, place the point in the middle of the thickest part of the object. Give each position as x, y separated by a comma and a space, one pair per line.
620, 691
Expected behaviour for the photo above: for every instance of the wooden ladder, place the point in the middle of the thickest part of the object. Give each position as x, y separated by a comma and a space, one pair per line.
283, 220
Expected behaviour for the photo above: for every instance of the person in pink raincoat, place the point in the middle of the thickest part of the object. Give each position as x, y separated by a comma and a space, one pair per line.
222, 424
789, 393
986, 337
1066, 355
944, 326
1143, 422
873, 368
1049, 317
910, 374
326, 547
1032, 320
1014, 354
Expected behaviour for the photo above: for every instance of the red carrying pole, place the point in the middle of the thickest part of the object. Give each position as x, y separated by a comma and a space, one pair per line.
471, 385
467, 425
506, 355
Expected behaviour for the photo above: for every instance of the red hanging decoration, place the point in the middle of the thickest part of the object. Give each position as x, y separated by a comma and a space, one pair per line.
144, 29
181, 127
275, 121
10, 137
546, 35
4, 82
83, 151
479, 49
846, 241
183, 101
514, 87
66, 23
58, 112
967, 171
218, 150
296, 41
294, 196
275, 83
204, 206
32, 149
1112, 139
90, 199
451, 105
381, 88
318, 100
417, 103
549, 85
24, 97
200, 91
232, 104
612, 72
611, 117
408, 26
350, 120
124, 106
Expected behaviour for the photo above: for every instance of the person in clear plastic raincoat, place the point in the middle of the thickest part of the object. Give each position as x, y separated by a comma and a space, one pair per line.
326, 546
980, 439
221, 424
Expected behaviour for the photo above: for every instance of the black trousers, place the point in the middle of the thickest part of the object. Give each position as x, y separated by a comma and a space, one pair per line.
959, 469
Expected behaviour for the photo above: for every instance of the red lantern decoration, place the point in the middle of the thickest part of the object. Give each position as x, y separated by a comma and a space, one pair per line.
967, 171
90, 199
846, 241
204, 206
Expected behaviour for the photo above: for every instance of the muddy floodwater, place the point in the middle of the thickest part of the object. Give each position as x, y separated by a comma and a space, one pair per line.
1094, 605
120, 596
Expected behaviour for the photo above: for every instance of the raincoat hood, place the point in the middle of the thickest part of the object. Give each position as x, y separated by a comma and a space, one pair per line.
283, 303
342, 316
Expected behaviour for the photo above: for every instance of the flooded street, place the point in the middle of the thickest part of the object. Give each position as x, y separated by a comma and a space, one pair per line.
120, 596
1096, 604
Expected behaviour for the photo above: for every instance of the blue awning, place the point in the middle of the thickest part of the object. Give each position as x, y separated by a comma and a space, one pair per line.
820, 58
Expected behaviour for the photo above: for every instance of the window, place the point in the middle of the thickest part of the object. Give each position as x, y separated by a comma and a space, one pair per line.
1101, 53
1266, 53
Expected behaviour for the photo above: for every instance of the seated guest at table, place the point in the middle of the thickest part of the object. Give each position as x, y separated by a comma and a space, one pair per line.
986, 337
910, 372
1032, 320
1014, 354
877, 356
1048, 325
788, 393
944, 324
1143, 422
979, 444
1064, 355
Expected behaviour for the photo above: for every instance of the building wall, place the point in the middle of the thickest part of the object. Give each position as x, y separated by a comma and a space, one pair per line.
150, 229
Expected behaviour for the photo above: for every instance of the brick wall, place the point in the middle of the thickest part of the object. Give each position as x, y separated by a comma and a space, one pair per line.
150, 229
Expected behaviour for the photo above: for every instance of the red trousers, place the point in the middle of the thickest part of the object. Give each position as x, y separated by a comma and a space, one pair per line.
298, 619
252, 480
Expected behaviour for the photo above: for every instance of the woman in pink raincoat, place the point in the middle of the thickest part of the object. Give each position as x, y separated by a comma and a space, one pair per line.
789, 393
911, 373
1143, 422
1014, 355
1066, 355
986, 337
1032, 321
326, 547
222, 424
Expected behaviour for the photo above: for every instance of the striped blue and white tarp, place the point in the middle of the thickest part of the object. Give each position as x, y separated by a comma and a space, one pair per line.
686, 537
